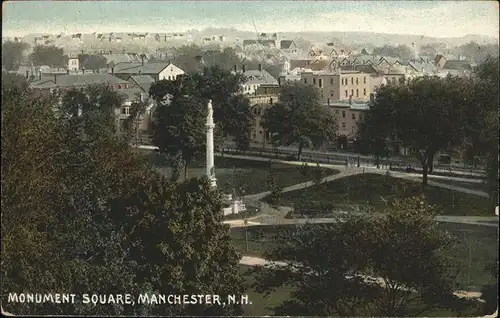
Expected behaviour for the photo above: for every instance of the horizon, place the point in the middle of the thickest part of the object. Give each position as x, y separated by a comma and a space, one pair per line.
436, 19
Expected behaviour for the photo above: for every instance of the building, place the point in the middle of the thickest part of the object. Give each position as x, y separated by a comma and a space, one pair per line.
340, 85
348, 115
157, 70
255, 78
73, 64
266, 96
439, 61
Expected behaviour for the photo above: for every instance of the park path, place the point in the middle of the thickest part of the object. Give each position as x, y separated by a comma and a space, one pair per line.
349, 171
258, 261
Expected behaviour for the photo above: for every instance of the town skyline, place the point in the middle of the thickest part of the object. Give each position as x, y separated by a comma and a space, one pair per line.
441, 19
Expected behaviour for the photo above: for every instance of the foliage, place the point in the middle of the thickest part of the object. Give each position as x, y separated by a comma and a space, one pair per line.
49, 55
274, 185
401, 51
482, 122
232, 115
193, 58
432, 119
369, 265
66, 176
12, 54
298, 118
475, 52
131, 123
92, 62
180, 128
489, 293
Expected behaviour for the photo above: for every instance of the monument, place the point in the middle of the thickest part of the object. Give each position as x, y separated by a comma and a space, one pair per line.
210, 145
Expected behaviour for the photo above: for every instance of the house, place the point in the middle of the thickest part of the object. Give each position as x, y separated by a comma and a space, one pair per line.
157, 70
439, 61
296, 67
255, 78
347, 113
76, 81
288, 45
143, 82
265, 97
73, 64
131, 95
457, 65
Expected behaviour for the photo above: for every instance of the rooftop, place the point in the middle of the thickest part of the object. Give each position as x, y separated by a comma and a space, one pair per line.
77, 80
151, 68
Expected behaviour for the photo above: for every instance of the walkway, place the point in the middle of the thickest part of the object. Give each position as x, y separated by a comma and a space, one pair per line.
257, 261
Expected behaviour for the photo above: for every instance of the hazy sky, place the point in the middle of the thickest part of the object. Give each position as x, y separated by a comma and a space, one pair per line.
432, 18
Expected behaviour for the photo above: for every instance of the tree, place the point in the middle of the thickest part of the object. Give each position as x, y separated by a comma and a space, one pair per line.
489, 293
62, 180
92, 62
432, 118
482, 123
49, 55
232, 115
12, 54
356, 267
401, 51
274, 185
137, 110
180, 128
298, 118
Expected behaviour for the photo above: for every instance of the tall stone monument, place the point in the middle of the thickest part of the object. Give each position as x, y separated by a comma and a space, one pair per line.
210, 145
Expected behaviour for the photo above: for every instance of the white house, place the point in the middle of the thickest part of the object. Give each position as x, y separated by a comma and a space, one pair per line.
157, 70
73, 64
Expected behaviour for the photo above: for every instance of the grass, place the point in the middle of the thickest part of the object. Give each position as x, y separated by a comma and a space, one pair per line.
477, 247
372, 189
477, 186
249, 174
262, 305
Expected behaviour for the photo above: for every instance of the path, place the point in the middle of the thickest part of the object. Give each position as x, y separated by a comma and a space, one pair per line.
257, 261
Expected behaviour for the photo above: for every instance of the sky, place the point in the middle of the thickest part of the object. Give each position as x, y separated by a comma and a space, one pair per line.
428, 18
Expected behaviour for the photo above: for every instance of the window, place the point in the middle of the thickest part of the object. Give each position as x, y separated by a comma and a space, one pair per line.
343, 114
354, 116
352, 92
343, 125
364, 80
328, 101
357, 82
125, 110
314, 81
364, 91
393, 80
360, 117
320, 83
357, 92
271, 100
331, 93
346, 93
352, 80
260, 132
119, 86
305, 80
331, 80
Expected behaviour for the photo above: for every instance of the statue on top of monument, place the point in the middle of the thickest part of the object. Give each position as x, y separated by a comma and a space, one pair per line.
210, 115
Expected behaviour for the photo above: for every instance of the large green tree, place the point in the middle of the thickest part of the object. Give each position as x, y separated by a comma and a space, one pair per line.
49, 55
427, 114
395, 264
232, 114
92, 61
82, 213
298, 118
482, 122
12, 54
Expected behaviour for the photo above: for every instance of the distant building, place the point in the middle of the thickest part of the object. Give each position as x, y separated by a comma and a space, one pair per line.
256, 78
340, 85
265, 97
157, 70
439, 61
348, 115
73, 64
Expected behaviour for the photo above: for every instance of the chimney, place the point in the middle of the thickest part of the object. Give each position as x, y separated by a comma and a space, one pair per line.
112, 71
236, 68
243, 68
260, 67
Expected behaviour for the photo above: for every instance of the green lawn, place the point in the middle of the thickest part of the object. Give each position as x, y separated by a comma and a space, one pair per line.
372, 189
262, 305
249, 174
478, 186
477, 246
